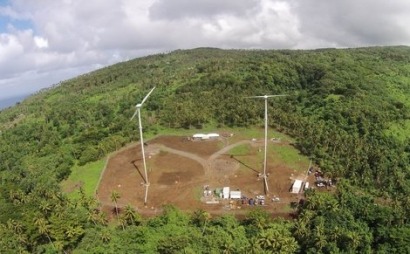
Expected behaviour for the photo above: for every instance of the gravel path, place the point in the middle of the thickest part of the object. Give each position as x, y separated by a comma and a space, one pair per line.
206, 163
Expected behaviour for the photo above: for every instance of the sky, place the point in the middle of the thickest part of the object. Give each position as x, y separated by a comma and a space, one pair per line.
43, 42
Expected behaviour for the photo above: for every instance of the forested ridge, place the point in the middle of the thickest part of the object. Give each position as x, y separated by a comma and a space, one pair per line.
347, 109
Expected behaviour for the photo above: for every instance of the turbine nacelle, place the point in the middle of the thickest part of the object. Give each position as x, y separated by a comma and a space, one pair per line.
139, 105
267, 96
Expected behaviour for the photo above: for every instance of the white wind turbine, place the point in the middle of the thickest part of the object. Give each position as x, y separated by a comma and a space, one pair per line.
266, 134
138, 111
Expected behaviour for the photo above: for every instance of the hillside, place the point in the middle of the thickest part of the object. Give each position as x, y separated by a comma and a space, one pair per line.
348, 110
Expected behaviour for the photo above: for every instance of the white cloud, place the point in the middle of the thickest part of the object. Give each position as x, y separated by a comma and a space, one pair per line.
7, 11
10, 47
353, 23
183, 9
40, 42
78, 35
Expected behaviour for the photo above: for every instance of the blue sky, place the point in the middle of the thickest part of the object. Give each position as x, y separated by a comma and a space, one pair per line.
18, 23
43, 42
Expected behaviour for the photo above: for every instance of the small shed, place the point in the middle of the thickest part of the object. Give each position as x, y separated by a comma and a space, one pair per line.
225, 192
236, 195
198, 136
213, 135
297, 185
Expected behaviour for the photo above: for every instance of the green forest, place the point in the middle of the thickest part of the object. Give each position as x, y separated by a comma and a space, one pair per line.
348, 110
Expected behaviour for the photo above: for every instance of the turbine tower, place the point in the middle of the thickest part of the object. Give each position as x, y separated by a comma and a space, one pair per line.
266, 135
138, 111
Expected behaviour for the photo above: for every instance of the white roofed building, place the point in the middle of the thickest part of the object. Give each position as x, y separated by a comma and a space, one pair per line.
199, 135
225, 192
205, 136
235, 195
297, 185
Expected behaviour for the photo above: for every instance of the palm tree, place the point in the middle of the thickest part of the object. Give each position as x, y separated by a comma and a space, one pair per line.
254, 247
45, 207
228, 248
354, 239
44, 229
315, 202
266, 239
92, 216
130, 216
201, 218
105, 235
102, 218
288, 245
335, 234
73, 231
97, 217
306, 216
300, 229
277, 239
60, 246
114, 198
17, 228
15, 196
320, 241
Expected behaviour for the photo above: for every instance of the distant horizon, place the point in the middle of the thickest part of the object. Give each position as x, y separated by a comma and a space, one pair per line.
12, 100
42, 46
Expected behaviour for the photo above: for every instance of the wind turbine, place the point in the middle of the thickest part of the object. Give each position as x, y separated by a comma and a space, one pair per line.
138, 111
266, 134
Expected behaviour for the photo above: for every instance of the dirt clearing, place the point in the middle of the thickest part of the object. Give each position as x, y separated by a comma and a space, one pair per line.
178, 169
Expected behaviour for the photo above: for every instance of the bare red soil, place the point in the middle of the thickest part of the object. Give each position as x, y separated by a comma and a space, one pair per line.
178, 169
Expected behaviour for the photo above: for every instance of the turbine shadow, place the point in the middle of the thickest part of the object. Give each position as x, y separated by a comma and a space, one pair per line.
242, 163
138, 169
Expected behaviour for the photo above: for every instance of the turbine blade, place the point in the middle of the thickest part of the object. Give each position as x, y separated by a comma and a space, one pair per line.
254, 97
136, 111
146, 97
266, 96
275, 95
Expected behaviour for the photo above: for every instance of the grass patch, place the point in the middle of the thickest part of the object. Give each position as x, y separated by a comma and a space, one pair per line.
239, 133
86, 176
287, 209
161, 131
291, 157
240, 150
197, 192
258, 133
